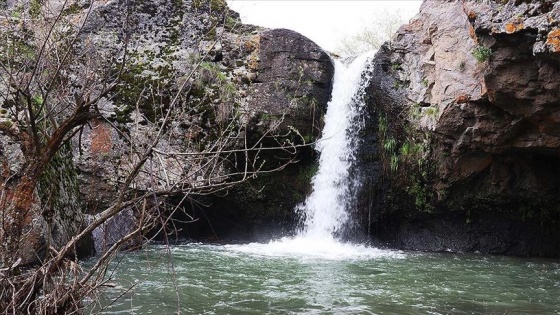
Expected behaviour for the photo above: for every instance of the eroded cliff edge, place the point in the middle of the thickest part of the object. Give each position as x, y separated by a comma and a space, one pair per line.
465, 128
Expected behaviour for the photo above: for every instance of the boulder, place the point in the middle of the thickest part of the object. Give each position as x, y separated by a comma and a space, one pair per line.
294, 78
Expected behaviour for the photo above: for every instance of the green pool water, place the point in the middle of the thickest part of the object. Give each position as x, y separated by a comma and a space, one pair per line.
259, 279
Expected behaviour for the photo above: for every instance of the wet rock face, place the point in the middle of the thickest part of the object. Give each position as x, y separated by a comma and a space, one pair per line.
489, 233
294, 77
478, 82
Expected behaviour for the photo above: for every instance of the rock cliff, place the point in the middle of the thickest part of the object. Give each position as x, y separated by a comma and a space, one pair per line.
466, 101
276, 81
292, 82
234, 87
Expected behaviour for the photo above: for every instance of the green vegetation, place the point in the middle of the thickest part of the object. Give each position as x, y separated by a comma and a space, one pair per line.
58, 186
481, 53
382, 126
211, 74
218, 5
404, 154
406, 149
421, 196
74, 8
38, 100
132, 91
17, 50
389, 145
35, 8
267, 117
415, 112
431, 112
304, 177
6, 123
231, 23
16, 14
215, 5
394, 162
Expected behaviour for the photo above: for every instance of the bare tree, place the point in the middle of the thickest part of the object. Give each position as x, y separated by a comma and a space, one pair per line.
384, 25
53, 84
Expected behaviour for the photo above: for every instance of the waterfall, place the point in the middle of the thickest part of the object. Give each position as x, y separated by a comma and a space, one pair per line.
325, 211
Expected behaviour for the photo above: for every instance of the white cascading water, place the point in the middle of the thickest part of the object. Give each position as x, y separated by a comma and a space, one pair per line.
325, 211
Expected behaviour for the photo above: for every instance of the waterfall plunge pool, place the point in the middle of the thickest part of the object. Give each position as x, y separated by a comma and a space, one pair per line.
245, 279
316, 274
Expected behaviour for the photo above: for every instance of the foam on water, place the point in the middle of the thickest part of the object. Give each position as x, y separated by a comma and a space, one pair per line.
309, 248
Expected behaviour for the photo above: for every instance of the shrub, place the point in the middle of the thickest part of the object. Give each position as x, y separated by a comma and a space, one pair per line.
481, 53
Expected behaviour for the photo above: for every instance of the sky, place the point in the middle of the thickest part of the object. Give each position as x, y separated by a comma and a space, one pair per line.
325, 22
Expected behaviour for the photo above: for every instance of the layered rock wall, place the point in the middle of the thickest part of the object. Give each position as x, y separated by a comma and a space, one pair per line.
474, 87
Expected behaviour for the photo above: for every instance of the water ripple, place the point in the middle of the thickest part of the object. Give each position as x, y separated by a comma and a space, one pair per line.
281, 279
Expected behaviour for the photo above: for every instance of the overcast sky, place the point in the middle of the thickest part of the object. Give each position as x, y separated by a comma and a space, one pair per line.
323, 21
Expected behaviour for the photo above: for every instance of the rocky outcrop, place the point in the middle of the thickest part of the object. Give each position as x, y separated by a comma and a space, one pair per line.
291, 80
465, 101
238, 84
266, 79
294, 78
